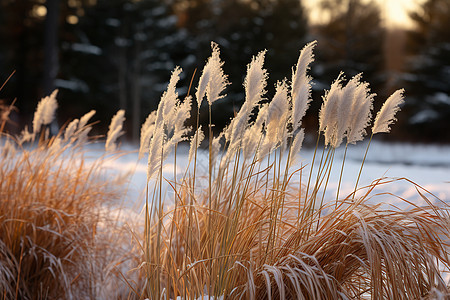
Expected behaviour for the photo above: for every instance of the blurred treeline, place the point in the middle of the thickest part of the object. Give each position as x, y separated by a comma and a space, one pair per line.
112, 54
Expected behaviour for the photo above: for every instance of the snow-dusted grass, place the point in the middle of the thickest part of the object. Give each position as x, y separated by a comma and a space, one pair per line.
251, 217
257, 221
426, 165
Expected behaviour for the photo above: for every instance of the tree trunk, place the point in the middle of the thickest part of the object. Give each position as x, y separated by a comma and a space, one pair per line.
136, 93
50, 46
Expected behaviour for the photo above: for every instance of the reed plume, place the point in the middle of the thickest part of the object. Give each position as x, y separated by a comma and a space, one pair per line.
386, 116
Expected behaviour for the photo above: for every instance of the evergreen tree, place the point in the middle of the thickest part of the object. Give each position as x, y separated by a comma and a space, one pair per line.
428, 78
21, 27
31, 48
122, 56
350, 39
242, 29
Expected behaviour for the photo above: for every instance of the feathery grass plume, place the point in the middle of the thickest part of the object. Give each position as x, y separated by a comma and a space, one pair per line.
25, 136
85, 118
254, 83
45, 111
115, 130
147, 130
215, 148
175, 127
70, 130
169, 99
386, 115
253, 136
183, 113
296, 146
277, 117
196, 140
177, 131
170, 96
301, 85
360, 113
168, 128
329, 111
81, 135
155, 152
344, 112
213, 80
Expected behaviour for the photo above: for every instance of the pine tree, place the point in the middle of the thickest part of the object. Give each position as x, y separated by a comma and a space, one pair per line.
428, 78
122, 55
242, 29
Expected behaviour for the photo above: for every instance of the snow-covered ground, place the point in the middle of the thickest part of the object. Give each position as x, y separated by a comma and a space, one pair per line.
426, 165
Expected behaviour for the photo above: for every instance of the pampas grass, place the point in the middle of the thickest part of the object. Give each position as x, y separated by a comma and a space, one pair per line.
115, 130
56, 242
253, 225
45, 112
252, 233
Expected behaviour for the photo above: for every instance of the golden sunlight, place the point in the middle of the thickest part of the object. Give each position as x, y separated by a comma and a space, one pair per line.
394, 12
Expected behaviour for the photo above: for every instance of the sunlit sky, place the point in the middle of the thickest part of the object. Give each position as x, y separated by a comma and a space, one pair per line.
394, 12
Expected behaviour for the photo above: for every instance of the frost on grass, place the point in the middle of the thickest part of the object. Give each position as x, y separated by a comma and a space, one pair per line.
244, 229
45, 112
115, 130
386, 115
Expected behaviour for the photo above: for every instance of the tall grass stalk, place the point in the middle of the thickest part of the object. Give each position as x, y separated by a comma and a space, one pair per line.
243, 229
250, 233
55, 239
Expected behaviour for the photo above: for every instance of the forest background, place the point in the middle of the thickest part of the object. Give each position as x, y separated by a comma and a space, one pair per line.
118, 54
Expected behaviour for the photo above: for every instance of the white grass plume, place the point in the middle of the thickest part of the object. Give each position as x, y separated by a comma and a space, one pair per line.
213, 80
277, 116
196, 140
45, 111
386, 115
252, 136
183, 113
215, 148
344, 113
81, 135
301, 85
85, 119
328, 111
147, 130
165, 111
296, 146
256, 80
169, 98
360, 113
255, 83
179, 131
25, 136
70, 130
115, 130
155, 152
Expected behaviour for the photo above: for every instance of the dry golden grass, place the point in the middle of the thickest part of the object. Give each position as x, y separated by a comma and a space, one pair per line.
243, 230
240, 230
248, 248
53, 238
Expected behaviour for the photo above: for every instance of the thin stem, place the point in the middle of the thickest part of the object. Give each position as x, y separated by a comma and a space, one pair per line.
340, 176
7, 79
328, 172
362, 165
312, 165
210, 205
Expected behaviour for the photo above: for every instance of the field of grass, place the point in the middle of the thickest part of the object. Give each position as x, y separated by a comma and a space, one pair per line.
245, 219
